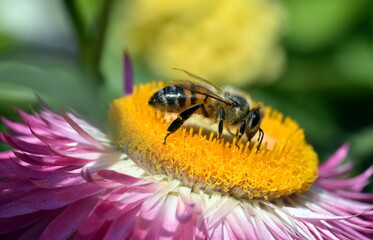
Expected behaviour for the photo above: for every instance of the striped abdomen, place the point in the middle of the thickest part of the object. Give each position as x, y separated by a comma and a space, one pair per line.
174, 99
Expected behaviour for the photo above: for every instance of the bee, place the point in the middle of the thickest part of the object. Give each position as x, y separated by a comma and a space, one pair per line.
228, 107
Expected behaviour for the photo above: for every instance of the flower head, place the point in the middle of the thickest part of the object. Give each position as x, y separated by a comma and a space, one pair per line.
225, 41
285, 165
65, 177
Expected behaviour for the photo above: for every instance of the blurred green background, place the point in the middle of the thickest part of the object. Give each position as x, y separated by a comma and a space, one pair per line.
70, 53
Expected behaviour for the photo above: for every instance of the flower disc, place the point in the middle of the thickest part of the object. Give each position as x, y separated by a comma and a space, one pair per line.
285, 163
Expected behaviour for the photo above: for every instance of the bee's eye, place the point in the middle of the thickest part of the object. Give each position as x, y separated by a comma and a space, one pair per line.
254, 118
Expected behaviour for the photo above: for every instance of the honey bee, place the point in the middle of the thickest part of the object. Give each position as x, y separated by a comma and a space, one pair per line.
228, 107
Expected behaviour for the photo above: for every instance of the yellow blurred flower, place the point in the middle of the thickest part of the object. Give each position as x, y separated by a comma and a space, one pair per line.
234, 42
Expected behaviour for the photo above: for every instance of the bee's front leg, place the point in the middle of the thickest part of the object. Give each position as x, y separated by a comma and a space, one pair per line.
221, 119
260, 138
242, 129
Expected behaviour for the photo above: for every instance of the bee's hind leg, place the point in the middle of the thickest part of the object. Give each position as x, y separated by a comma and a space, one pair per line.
181, 118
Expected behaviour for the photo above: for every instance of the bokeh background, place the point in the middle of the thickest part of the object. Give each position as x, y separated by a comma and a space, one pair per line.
311, 60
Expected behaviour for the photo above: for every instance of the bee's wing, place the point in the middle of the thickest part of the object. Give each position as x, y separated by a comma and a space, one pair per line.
201, 81
201, 89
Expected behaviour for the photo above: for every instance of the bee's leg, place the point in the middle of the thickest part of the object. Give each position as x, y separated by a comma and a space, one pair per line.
184, 115
241, 131
260, 138
221, 119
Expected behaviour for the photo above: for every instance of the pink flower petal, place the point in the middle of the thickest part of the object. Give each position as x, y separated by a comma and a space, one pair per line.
123, 226
45, 199
117, 177
355, 184
66, 223
95, 219
83, 133
335, 159
355, 195
67, 180
40, 148
56, 184
50, 160
15, 128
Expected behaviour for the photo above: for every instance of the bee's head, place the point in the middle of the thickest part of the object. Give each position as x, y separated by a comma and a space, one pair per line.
254, 120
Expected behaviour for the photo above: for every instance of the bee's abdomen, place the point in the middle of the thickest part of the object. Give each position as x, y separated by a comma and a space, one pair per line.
170, 98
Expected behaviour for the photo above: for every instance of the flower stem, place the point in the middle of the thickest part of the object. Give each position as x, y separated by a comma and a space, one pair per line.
90, 38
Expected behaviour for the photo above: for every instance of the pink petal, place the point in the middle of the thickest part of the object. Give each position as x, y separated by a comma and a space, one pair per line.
355, 184
16, 128
123, 226
117, 177
66, 223
335, 159
355, 195
50, 160
83, 133
39, 148
67, 180
47, 199
9, 168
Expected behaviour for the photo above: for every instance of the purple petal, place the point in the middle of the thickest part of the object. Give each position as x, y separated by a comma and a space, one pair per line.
128, 74
19, 222
11, 189
35, 231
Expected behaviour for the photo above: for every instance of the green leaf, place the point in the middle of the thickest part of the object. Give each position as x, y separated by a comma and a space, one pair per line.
56, 79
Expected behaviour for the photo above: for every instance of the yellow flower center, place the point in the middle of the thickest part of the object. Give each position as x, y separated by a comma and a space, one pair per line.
285, 163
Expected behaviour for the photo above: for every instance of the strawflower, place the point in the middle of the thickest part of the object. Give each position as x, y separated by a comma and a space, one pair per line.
66, 179
235, 41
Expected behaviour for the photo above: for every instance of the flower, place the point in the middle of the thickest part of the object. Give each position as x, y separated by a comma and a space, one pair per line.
66, 178
235, 42
293, 163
